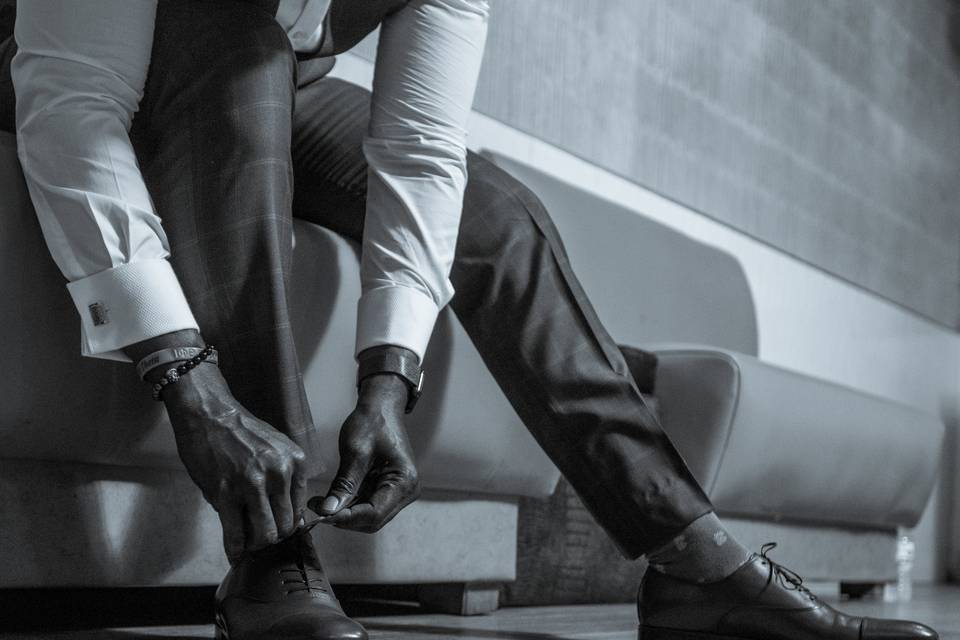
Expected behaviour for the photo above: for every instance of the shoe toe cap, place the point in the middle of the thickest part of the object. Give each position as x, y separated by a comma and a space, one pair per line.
311, 627
875, 629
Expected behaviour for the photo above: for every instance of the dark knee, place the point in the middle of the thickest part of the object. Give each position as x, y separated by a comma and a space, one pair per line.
502, 213
506, 236
222, 72
224, 44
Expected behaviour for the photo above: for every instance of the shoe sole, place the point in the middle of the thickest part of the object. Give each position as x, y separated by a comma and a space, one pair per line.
658, 633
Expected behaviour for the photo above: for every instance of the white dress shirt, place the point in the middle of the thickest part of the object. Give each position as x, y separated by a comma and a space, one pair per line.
79, 76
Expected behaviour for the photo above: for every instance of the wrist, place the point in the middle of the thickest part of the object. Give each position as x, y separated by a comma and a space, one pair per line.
383, 392
203, 390
396, 374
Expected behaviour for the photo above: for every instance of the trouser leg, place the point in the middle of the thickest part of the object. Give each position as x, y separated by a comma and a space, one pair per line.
213, 141
525, 311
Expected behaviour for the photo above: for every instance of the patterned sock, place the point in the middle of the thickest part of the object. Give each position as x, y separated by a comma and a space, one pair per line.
703, 552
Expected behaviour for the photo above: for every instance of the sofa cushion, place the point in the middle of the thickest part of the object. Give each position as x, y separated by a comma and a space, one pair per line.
767, 442
648, 283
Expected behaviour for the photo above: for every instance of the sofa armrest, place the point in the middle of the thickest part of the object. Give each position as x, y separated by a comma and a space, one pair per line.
765, 441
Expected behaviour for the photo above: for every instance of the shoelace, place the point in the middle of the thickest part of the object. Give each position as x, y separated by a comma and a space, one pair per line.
302, 580
786, 578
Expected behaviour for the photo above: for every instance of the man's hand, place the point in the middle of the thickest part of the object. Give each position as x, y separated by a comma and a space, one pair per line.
252, 474
377, 476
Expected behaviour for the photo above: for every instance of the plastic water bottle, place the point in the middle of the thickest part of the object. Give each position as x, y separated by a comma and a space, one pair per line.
906, 550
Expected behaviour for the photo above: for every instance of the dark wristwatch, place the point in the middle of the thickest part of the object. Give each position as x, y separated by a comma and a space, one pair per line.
398, 361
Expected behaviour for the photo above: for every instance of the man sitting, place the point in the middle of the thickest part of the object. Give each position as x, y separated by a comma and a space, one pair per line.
161, 141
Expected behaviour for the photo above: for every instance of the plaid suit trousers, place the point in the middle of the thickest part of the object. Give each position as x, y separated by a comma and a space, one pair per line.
230, 121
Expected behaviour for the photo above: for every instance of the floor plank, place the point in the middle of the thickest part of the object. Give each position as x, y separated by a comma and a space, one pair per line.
938, 606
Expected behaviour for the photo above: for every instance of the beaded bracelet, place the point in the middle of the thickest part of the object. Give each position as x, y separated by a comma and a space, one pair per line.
173, 375
173, 356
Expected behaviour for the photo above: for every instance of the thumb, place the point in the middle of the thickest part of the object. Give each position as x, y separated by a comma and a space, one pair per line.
344, 488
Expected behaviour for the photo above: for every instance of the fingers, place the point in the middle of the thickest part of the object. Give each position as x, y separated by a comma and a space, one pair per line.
231, 520
281, 504
261, 526
286, 486
393, 492
344, 489
298, 492
267, 507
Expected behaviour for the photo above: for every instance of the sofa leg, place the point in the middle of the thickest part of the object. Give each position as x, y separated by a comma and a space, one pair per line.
460, 598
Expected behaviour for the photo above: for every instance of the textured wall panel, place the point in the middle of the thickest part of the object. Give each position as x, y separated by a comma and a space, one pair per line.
827, 128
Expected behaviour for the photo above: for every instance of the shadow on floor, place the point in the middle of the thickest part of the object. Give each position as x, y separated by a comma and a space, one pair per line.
29, 610
71, 612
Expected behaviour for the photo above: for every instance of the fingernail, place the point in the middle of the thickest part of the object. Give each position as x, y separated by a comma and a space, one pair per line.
330, 504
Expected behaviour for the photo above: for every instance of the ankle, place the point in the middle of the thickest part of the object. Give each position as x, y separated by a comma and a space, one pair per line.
703, 552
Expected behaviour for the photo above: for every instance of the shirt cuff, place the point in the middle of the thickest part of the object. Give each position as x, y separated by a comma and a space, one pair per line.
395, 315
128, 304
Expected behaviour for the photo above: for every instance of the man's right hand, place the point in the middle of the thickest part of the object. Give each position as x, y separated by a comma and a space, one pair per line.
252, 474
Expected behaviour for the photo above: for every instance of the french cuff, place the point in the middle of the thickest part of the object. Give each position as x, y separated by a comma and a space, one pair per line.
128, 304
398, 316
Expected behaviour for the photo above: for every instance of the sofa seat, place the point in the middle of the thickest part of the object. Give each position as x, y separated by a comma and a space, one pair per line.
771, 443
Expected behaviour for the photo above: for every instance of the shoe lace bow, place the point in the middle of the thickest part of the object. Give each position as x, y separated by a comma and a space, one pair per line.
785, 577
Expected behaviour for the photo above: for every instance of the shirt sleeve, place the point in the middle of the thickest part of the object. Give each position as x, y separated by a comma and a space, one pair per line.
426, 72
79, 76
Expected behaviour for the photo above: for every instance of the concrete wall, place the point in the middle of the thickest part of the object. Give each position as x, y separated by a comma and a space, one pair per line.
808, 320
826, 128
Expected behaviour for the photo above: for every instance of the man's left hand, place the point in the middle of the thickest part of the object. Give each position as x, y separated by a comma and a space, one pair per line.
377, 475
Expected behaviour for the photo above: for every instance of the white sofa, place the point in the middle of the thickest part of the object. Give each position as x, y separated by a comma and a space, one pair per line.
93, 493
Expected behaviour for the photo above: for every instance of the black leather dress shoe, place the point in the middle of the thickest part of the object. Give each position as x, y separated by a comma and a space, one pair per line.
760, 601
281, 593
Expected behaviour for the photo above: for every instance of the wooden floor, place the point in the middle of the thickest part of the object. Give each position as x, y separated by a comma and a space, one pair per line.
937, 606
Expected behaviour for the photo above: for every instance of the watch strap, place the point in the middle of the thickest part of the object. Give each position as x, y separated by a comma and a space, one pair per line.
401, 362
